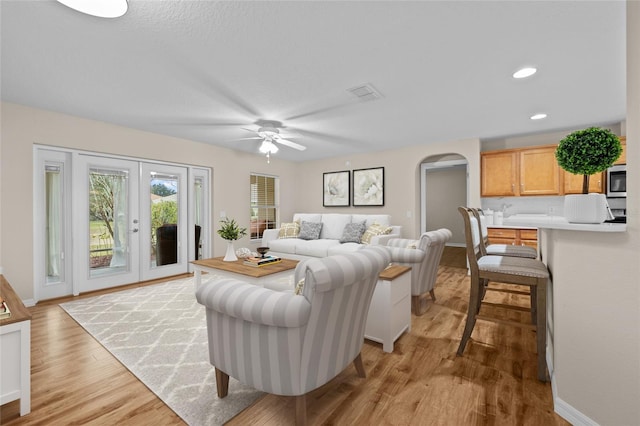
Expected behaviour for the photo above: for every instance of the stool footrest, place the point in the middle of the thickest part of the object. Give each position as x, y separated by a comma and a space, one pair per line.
506, 306
506, 322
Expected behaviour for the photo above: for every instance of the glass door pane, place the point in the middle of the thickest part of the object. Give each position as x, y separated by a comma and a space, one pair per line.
108, 221
164, 220
163, 203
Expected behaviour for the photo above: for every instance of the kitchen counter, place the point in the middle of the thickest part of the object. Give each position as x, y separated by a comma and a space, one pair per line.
556, 222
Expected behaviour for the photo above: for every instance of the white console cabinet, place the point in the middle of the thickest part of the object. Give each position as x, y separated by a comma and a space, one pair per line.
390, 310
15, 351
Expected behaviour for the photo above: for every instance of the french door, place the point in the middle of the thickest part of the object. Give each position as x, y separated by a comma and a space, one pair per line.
101, 221
164, 225
106, 224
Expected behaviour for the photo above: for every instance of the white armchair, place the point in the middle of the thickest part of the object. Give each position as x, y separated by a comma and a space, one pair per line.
289, 344
423, 256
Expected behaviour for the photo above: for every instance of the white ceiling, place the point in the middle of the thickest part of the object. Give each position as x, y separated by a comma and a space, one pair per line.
203, 70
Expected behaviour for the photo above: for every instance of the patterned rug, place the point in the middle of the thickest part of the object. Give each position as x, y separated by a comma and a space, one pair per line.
159, 333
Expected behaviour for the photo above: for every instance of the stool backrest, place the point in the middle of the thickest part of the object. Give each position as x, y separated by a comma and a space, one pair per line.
472, 238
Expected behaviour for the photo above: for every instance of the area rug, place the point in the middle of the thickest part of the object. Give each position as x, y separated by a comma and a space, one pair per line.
159, 333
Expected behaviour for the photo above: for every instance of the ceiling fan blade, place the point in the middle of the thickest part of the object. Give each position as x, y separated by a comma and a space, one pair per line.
246, 139
290, 144
208, 123
329, 137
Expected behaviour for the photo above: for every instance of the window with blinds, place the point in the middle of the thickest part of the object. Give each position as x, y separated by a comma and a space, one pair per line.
264, 204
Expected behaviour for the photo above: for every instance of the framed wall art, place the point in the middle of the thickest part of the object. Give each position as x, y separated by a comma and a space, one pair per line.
336, 187
368, 187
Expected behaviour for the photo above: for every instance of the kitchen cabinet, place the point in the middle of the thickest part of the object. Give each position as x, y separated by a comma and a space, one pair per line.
539, 171
527, 171
623, 157
498, 170
573, 183
513, 236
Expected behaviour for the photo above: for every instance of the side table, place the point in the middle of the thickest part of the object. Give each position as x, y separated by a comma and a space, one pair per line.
15, 344
390, 311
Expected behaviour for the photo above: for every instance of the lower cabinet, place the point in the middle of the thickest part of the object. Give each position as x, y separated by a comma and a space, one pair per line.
513, 236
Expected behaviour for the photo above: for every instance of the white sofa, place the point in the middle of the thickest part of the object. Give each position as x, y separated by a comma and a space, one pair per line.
329, 242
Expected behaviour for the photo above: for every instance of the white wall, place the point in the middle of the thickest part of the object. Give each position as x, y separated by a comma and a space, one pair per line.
402, 180
23, 126
446, 190
301, 183
597, 294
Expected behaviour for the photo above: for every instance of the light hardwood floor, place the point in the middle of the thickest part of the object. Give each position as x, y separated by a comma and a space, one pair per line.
76, 381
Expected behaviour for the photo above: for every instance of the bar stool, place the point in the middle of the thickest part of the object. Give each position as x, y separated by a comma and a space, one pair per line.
508, 270
500, 249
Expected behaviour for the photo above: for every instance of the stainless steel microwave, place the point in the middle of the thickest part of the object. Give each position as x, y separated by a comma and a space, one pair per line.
617, 181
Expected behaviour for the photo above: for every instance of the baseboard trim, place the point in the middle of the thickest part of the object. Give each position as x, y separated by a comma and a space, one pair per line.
29, 303
456, 245
570, 414
560, 407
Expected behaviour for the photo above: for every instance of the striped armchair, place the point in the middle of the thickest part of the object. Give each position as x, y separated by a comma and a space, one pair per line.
423, 256
289, 344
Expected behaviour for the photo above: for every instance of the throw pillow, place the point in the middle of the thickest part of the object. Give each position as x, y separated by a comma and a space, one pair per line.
289, 230
299, 287
310, 230
373, 230
352, 232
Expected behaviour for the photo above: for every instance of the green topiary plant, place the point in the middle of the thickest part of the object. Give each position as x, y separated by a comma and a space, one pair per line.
588, 151
230, 231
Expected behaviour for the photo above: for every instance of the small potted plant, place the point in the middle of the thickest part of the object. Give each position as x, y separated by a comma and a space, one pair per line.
230, 231
586, 152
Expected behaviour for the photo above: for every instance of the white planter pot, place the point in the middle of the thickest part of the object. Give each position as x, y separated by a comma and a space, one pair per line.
585, 208
230, 256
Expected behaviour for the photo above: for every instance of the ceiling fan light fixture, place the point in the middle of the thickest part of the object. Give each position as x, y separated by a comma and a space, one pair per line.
268, 147
99, 8
538, 116
524, 72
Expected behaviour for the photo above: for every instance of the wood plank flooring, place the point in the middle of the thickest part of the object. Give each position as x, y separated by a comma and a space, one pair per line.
76, 381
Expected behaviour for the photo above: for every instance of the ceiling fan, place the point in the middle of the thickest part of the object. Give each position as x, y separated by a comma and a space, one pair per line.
269, 132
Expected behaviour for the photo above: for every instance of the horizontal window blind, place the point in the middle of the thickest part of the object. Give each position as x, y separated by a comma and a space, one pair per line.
264, 205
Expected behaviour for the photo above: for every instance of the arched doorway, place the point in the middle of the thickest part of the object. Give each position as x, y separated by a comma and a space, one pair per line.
443, 188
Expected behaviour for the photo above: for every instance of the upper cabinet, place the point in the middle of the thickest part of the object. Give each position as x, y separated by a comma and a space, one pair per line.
539, 171
499, 173
573, 183
623, 157
534, 171
531, 171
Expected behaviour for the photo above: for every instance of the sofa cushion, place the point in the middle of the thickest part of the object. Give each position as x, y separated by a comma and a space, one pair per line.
284, 245
315, 248
289, 230
352, 232
344, 248
333, 224
373, 230
310, 230
381, 219
309, 217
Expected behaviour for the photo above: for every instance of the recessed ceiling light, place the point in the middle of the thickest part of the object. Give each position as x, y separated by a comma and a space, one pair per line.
538, 116
99, 8
524, 72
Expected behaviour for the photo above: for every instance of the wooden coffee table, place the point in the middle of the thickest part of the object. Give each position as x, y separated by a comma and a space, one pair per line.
276, 276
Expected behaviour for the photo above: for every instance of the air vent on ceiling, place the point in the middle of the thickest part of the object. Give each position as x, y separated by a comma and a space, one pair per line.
365, 92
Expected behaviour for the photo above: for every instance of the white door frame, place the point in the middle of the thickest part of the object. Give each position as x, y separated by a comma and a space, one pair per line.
423, 190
